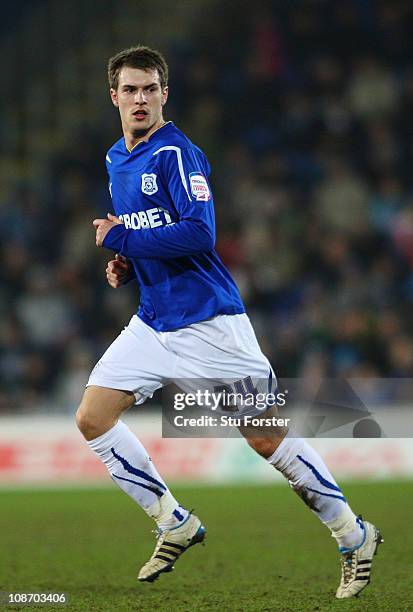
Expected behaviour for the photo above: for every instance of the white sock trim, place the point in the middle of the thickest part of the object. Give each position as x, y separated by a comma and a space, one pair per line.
163, 507
101, 442
285, 452
344, 524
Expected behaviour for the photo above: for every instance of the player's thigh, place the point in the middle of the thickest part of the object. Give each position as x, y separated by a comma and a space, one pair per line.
136, 362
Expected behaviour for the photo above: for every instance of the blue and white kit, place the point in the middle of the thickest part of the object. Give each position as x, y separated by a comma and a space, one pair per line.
160, 191
191, 321
191, 329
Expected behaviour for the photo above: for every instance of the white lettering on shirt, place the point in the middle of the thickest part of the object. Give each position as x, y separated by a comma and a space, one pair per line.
144, 219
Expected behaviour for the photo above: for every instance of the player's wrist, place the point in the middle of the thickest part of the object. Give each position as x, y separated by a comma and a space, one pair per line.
114, 238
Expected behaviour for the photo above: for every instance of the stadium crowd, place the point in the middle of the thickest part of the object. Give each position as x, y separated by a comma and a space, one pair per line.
306, 114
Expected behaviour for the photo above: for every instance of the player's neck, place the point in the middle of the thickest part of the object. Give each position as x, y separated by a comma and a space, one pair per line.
133, 139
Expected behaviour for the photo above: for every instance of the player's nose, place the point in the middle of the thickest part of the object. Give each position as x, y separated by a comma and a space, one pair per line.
140, 97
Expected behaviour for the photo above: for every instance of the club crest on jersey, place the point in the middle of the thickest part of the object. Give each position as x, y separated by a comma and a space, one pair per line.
199, 187
149, 185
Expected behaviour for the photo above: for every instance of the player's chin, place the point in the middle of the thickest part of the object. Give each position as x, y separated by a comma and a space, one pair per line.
141, 123
141, 128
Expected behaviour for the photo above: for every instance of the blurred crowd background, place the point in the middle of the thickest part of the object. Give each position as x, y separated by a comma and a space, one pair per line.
305, 110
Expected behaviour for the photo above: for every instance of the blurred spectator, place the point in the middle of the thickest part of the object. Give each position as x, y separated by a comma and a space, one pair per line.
44, 311
373, 91
341, 199
78, 363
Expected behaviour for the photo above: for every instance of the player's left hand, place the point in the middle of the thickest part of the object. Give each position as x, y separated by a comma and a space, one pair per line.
102, 227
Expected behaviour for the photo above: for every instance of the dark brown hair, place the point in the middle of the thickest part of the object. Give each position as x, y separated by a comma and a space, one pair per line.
137, 57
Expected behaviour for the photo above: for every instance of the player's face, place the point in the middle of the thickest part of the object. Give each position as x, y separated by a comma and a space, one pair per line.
140, 99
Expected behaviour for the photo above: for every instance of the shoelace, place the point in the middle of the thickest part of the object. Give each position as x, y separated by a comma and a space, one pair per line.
348, 566
159, 533
159, 539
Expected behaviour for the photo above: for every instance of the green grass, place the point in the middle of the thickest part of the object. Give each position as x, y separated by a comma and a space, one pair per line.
265, 550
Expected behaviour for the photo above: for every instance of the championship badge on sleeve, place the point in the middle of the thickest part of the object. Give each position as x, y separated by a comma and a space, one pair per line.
199, 187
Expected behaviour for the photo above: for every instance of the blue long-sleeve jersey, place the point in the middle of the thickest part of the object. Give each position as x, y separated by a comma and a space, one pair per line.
160, 191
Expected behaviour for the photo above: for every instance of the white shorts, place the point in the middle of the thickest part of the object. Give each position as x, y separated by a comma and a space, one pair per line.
219, 350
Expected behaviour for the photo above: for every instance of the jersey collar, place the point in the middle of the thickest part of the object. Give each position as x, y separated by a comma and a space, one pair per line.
151, 137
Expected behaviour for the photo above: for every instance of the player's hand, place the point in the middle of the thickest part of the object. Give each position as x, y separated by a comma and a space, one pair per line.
118, 271
102, 227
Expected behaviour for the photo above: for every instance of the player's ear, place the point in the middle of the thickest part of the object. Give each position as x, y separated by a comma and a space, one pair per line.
165, 92
114, 97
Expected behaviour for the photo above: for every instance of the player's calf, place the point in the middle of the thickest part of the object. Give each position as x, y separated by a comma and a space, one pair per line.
310, 478
132, 469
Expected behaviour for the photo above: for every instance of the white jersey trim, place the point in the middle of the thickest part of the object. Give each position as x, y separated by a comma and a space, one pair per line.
108, 158
180, 165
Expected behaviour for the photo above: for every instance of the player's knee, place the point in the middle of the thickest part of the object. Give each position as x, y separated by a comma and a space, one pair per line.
86, 423
82, 419
263, 446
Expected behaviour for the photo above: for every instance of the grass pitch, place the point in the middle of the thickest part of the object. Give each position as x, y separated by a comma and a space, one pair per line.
265, 551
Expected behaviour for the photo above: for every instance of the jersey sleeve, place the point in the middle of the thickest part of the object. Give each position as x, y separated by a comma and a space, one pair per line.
184, 173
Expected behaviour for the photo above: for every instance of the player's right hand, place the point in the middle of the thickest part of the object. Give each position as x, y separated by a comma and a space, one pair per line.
118, 271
